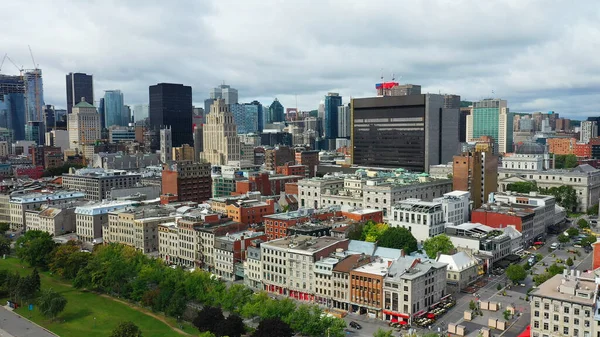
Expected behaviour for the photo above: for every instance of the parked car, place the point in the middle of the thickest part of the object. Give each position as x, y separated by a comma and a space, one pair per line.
587, 249
355, 325
554, 245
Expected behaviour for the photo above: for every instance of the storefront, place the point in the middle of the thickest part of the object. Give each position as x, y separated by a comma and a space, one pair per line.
395, 317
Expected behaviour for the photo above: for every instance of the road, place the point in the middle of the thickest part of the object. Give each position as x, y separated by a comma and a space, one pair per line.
12, 325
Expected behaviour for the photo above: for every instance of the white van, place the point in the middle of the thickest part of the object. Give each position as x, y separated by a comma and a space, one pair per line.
554, 245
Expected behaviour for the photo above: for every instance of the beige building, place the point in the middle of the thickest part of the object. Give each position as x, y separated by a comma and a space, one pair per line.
340, 294
90, 218
20, 204
565, 305
462, 269
411, 285
4, 208
97, 183
184, 152
220, 139
52, 220
324, 285
168, 242
4, 151
83, 125
136, 227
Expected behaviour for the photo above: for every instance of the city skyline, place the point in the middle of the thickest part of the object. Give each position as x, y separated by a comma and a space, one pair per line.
525, 63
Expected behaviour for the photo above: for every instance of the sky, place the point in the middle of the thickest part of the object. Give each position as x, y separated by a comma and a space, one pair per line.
538, 55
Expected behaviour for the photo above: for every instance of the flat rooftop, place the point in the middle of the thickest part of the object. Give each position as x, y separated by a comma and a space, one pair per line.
558, 288
303, 243
378, 267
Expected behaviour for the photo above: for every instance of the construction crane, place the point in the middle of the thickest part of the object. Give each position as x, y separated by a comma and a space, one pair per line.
2, 63
14, 64
35, 65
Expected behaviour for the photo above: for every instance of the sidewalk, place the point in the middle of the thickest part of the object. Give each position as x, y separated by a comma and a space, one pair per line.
13, 325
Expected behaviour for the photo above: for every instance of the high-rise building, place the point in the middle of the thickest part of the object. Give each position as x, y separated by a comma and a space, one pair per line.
34, 95
405, 90
140, 111
126, 115
220, 141
166, 145
113, 108
477, 173
12, 105
49, 118
102, 113
276, 113
261, 115
491, 117
171, 104
34, 131
198, 141
225, 92
187, 180
245, 117
589, 129
462, 124
332, 101
79, 85
452, 101
84, 126
410, 132
343, 119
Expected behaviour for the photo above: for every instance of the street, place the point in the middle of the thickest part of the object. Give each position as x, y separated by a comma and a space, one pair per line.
12, 325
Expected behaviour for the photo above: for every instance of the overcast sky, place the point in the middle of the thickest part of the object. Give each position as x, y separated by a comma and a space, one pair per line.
539, 55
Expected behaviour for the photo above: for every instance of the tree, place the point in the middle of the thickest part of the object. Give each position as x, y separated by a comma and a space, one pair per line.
356, 231
4, 227
383, 333
555, 269
506, 313
563, 238
4, 245
570, 161
233, 326
522, 186
273, 327
573, 232
68, 259
593, 210
372, 231
569, 262
398, 238
582, 223
472, 305
565, 196
126, 329
440, 243
588, 240
51, 303
516, 273
209, 319
35, 247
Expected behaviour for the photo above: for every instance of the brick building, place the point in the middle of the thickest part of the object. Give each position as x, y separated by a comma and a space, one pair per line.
187, 180
278, 156
293, 170
561, 145
366, 287
308, 158
250, 211
276, 225
38, 154
582, 150
362, 215
264, 183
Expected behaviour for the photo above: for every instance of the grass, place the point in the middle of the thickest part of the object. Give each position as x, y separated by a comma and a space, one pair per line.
88, 314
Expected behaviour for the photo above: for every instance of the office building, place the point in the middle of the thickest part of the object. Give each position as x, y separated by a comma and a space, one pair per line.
187, 180
34, 131
424, 219
220, 141
275, 113
166, 144
224, 92
492, 118
589, 129
278, 156
84, 127
171, 105
12, 105
477, 173
140, 112
79, 85
96, 183
198, 141
34, 95
343, 119
332, 102
462, 124
456, 206
119, 134
452, 101
184, 152
409, 132
19, 204
245, 117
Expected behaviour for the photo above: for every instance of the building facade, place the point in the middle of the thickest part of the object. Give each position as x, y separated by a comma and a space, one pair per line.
171, 105
189, 181
96, 183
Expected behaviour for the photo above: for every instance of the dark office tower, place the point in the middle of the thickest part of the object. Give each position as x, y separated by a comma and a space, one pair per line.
276, 112
452, 101
49, 118
332, 102
462, 124
171, 105
102, 112
261, 115
410, 132
79, 85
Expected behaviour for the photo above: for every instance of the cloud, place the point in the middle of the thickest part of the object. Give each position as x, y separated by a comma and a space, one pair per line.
539, 55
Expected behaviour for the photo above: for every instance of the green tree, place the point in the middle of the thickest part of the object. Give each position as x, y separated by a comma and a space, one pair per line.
35, 247
383, 333
126, 329
440, 243
4, 245
516, 273
68, 259
555, 269
472, 305
356, 231
569, 262
51, 303
573, 232
565, 196
593, 210
506, 313
523, 186
588, 240
563, 238
541, 278
4, 227
398, 238
372, 231
273, 327
570, 161
582, 223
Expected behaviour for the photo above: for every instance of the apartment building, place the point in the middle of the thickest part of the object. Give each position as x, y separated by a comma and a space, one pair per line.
462, 270
168, 243
287, 264
96, 183
412, 285
207, 235
253, 267
90, 218
424, 219
456, 206
377, 190
250, 211
565, 305
230, 253
189, 181
366, 287
20, 204
340, 296
136, 227
52, 220
276, 225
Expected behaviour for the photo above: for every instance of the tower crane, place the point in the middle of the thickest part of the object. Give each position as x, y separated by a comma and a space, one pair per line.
2, 63
14, 64
35, 65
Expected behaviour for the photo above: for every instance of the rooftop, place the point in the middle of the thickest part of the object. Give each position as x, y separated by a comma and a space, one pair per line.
418, 205
99, 173
240, 236
378, 267
301, 213
410, 268
303, 243
457, 262
572, 289
46, 196
95, 208
519, 210
474, 230
351, 262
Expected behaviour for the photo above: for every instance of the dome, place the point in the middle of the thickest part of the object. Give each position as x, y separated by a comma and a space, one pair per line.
531, 148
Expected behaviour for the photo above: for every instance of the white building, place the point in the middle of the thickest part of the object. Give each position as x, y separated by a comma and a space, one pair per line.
253, 268
84, 127
166, 144
58, 138
52, 220
462, 269
343, 121
97, 183
424, 219
89, 219
456, 206
589, 129
20, 204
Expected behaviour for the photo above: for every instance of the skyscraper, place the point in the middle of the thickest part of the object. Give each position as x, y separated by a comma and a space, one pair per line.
225, 92
343, 119
34, 95
79, 85
140, 111
261, 115
332, 101
83, 127
102, 113
589, 129
166, 145
12, 105
491, 117
221, 143
113, 108
276, 113
171, 104
126, 115
410, 132
245, 117
476, 172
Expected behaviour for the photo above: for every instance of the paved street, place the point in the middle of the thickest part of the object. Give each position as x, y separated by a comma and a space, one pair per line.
12, 325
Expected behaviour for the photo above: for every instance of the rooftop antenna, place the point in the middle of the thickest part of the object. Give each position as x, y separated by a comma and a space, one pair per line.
35, 65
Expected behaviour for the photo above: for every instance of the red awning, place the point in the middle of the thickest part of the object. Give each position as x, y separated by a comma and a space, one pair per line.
393, 313
538, 243
403, 322
394, 320
527, 332
430, 316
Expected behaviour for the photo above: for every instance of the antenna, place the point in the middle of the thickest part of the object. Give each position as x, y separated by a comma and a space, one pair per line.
35, 66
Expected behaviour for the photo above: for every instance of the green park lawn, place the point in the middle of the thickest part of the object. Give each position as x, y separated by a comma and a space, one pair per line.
87, 313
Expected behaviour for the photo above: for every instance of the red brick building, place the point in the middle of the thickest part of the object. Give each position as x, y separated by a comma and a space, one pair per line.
188, 180
291, 188
276, 225
561, 145
363, 215
250, 211
308, 158
582, 150
293, 170
33, 172
265, 184
38, 154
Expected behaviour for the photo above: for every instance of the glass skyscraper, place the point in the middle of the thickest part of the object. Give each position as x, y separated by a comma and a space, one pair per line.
491, 117
332, 102
113, 108
276, 113
34, 95
245, 117
79, 85
171, 105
